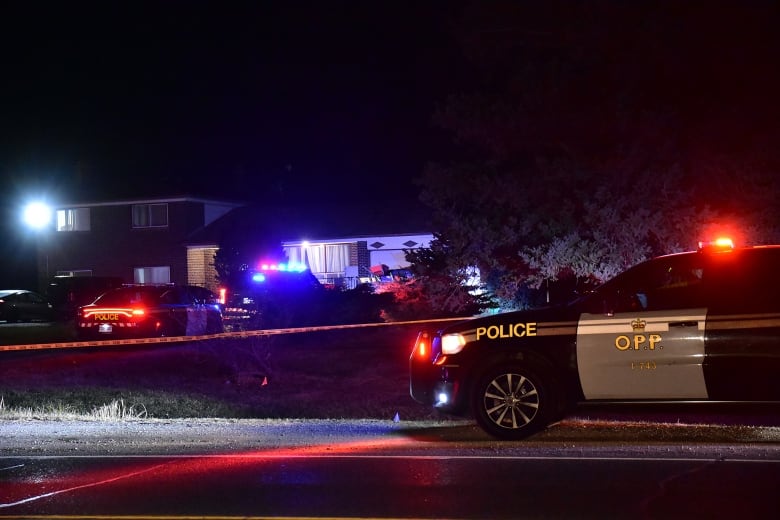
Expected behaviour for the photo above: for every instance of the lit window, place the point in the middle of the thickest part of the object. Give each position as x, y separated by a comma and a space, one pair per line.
150, 215
73, 219
152, 275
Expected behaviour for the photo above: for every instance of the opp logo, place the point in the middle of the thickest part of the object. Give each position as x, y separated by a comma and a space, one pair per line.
638, 342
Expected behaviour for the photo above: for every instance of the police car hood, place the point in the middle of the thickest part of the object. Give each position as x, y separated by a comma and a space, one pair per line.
542, 314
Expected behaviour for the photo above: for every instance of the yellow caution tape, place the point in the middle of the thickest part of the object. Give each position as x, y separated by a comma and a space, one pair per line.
225, 335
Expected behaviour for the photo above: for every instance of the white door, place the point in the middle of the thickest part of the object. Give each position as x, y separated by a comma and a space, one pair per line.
642, 355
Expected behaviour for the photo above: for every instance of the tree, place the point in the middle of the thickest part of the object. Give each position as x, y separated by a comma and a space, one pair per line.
439, 287
578, 152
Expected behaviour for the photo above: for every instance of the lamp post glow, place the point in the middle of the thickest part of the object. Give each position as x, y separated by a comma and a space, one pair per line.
37, 215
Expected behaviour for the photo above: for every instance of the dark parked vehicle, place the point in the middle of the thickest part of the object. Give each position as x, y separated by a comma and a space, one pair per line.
701, 326
68, 293
151, 310
21, 305
274, 298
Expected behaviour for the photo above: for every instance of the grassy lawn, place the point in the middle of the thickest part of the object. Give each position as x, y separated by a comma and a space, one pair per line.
352, 373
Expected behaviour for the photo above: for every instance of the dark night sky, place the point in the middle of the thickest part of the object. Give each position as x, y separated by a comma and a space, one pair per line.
298, 101
231, 99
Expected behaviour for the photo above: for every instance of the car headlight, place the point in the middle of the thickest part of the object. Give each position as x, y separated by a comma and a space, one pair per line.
452, 343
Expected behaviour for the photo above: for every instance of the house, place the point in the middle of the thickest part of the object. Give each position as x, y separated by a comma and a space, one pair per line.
338, 243
174, 240
346, 262
140, 241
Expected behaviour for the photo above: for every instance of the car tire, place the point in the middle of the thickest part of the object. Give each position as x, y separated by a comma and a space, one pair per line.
513, 401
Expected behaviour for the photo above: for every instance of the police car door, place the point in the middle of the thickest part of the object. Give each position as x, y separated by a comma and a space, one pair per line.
647, 341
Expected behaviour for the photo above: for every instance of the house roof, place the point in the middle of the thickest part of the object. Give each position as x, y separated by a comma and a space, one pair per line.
150, 200
317, 221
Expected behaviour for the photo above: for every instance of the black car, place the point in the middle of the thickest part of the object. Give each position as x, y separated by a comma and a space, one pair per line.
148, 311
701, 326
21, 305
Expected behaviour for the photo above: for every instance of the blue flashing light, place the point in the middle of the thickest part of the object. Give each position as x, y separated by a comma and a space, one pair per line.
258, 277
285, 267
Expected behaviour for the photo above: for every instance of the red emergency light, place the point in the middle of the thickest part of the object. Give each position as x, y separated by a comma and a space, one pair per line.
719, 244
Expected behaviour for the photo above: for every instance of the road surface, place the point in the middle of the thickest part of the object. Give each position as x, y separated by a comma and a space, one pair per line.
384, 469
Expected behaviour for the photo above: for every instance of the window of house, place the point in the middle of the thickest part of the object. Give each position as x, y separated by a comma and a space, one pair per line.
150, 215
321, 258
152, 275
73, 219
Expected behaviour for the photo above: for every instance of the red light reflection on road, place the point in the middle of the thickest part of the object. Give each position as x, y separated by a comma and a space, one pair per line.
28, 489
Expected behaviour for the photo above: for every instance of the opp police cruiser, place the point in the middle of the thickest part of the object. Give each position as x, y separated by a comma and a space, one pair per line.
696, 326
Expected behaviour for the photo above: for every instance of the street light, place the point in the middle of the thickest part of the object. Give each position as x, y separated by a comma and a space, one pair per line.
37, 216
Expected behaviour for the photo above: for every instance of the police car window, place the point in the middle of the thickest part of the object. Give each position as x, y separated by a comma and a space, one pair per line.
173, 296
201, 295
187, 297
126, 296
747, 281
676, 287
670, 283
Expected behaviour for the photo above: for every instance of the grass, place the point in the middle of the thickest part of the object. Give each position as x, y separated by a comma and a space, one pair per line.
116, 410
106, 404
353, 373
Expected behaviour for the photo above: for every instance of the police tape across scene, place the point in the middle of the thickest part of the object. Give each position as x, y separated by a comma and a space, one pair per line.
204, 337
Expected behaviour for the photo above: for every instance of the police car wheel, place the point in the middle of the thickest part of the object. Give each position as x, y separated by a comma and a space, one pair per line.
511, 402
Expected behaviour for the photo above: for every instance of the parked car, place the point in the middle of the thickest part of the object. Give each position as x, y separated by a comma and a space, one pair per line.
149, 311
21, 305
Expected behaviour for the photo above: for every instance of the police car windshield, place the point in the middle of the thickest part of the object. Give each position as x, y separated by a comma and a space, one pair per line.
130, 296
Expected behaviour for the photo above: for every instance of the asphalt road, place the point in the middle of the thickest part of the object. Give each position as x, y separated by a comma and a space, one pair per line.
384, 469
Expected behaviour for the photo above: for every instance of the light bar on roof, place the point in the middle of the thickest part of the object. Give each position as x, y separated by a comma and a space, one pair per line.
282, 266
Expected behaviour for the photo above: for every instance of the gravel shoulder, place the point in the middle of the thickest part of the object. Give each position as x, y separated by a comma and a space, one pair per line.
573, 437
32, 437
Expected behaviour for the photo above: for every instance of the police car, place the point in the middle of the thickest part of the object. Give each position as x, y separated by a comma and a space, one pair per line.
150, 310
688, 327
